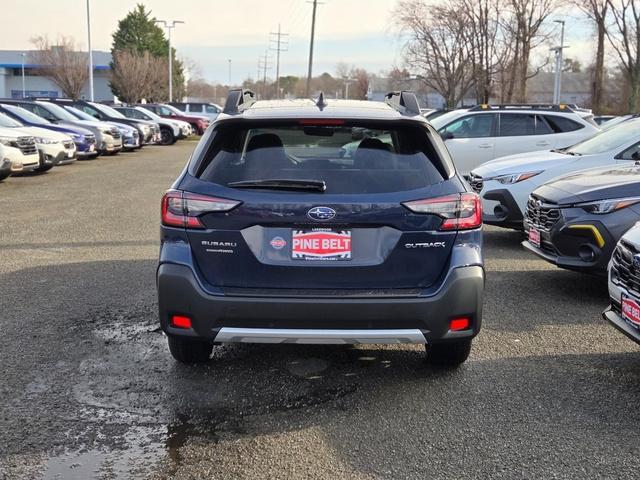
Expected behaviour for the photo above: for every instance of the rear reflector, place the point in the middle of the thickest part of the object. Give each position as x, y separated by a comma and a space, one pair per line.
183, 209
458, 324
180, 321
458, 211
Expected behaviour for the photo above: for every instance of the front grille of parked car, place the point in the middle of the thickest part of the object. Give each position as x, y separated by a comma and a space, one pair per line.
115, 133
476, 183
623, 270
68, 145
27, 145
90, 138
541, 215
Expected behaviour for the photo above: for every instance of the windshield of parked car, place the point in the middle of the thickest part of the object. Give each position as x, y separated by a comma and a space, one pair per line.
608, 140
107, 110
173, 109
7, 121
445, 119
58, 112
149, 114
80, 114
26, 115
382, 160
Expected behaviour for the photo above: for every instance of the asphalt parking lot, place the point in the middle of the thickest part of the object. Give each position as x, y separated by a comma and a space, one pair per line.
88, 387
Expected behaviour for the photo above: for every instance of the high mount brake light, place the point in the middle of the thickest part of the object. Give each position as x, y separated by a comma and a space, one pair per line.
183, 209
320, 121
458, 211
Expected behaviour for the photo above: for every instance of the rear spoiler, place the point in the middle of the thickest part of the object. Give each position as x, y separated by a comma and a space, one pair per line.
238, 100
404, 102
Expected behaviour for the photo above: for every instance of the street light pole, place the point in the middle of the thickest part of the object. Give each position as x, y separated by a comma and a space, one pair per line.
557, 90
229, 72
170, 25
24, 95
90, 52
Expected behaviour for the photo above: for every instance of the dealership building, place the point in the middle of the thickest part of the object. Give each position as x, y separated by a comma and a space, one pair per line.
11, 77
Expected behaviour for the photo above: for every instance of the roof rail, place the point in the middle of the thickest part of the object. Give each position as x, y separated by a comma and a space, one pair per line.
403, 101
239, 99
550, 107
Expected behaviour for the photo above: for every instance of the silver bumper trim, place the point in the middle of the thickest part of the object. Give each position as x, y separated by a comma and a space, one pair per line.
310, 336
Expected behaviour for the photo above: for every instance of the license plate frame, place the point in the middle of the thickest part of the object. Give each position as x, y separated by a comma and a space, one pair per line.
630, 310
534, 237
321, 244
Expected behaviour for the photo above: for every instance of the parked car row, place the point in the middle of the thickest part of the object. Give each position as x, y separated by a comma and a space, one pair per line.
38, 134
577, 205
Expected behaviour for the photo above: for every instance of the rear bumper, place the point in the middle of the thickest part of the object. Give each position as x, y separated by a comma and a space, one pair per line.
410, 319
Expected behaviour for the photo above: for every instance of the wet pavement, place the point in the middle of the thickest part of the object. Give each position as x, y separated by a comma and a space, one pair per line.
88, 388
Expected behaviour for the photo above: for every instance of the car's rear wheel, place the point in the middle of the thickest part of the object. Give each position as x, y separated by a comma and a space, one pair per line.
186, 350
4, 175
450, 354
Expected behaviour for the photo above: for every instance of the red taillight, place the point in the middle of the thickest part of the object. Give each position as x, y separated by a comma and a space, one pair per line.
459, 211
457, 324
183, 209
180, 321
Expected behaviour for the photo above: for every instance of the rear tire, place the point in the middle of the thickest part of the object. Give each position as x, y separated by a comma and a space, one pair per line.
186, 350
449, 354
4, 176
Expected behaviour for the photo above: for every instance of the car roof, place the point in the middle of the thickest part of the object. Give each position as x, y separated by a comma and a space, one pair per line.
303, 108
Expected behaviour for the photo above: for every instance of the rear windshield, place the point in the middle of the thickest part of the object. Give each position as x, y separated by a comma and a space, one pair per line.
350, 159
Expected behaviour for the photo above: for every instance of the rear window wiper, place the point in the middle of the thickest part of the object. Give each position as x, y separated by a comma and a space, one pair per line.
281, 184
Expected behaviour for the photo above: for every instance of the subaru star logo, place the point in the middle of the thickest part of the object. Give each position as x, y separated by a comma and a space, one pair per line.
321, 213
636, 261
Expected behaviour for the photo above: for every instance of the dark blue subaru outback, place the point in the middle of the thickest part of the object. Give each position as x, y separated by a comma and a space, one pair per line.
333, 222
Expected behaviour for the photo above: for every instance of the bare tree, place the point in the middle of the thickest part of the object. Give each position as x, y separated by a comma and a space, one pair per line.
138, 75
485, 42
436, 47
597, 11
62, 63
525, 26
626, 43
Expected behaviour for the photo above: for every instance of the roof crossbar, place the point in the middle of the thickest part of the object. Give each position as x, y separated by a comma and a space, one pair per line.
404, 102
238, 100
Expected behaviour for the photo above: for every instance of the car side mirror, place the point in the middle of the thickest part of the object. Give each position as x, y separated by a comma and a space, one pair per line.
635, 155
447, 136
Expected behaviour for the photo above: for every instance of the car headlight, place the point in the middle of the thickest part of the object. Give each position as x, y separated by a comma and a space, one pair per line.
106, 132
45, 141
8, 141
515, 177
76, 137
144, 128
607, 206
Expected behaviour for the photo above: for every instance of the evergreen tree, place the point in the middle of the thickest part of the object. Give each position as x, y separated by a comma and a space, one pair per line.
138, 33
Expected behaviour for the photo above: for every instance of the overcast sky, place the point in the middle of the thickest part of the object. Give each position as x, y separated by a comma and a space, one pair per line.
353, 31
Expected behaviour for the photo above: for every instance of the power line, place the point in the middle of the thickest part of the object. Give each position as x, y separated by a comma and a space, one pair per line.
313, 33
280, 47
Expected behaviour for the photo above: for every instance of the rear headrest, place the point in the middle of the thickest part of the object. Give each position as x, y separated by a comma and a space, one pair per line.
264, 140
372, 153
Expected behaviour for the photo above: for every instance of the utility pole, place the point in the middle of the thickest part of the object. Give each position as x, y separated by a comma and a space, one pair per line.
89, 51
170, 25
557, 89
313, 34
229, 72
23, 85
280, 47
264, 65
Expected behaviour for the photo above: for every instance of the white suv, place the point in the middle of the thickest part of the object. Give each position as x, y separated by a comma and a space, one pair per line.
20, 149
506, 183
479, 134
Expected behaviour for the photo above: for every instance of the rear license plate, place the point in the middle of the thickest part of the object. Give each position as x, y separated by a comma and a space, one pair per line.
534, 236
321, 244
631, 311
